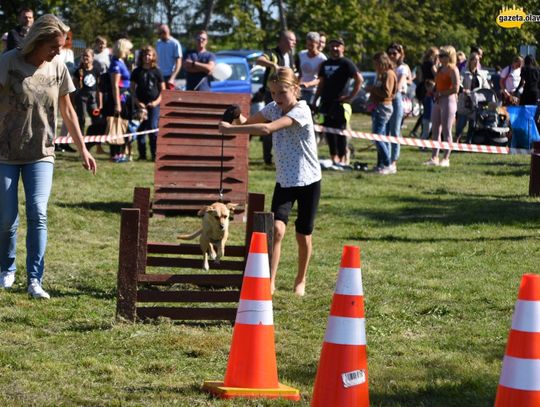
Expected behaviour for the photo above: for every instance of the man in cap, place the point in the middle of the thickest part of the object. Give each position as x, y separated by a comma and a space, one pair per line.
334, 76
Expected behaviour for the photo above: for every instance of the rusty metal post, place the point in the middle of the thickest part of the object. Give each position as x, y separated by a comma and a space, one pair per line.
127, 265
534, 180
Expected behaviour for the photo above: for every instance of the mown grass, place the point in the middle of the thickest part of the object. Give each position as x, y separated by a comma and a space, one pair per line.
442, 255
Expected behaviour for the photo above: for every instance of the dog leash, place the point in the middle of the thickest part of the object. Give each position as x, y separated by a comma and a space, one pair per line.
231, 113
221, 169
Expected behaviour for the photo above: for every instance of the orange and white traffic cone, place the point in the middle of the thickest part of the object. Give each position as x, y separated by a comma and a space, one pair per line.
519, 384
251, 369
342, 376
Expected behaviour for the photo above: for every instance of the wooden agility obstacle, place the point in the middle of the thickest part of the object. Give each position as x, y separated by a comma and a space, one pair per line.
189, 153
211, 295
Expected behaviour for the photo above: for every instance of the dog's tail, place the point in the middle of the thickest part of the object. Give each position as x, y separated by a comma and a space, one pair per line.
191, 236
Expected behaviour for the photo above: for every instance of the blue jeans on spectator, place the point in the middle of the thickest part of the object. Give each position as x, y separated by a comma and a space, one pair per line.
379, 119
37, 181
150, 123
394, 126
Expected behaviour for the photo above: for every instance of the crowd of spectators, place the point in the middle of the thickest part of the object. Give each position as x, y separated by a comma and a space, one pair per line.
328, 81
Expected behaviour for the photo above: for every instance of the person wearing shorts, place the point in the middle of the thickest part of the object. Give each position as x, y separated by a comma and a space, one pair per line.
298, 173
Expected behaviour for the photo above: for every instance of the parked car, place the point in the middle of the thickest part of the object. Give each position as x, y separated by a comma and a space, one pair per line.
257, 78
360, 102
240, 79
249, 54
246, 76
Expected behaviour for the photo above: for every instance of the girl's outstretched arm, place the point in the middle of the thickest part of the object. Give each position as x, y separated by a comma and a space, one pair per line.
256, 125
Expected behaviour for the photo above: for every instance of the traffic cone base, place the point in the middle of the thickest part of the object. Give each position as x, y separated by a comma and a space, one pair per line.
224, 392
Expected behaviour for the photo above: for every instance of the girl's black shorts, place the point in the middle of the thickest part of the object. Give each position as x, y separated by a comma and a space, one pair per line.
308, 202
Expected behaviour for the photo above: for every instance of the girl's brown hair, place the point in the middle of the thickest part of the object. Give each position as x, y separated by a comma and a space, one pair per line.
144, 50
383, 60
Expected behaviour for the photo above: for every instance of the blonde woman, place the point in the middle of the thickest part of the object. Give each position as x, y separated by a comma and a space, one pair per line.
120, 102
298, 173
444, 109
34, 85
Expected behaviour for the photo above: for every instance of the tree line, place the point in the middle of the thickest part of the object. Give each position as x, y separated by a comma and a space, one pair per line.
366, 25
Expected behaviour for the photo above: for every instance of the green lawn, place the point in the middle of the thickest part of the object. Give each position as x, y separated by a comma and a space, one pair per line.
443, 251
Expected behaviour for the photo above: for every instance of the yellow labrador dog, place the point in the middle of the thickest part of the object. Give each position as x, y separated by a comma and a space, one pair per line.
214, 230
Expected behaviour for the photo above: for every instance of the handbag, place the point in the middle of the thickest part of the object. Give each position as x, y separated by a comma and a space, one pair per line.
116, 126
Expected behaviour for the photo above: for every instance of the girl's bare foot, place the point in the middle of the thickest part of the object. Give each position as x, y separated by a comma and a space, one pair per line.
300, 288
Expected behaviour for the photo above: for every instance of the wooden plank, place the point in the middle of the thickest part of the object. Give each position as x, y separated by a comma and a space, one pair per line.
189, 314
191, 179
185, 138
127, 264
188, 296
215, 280
199, 196
211, 99
182, 109
141, 201
189, 248
152, 261
198, 168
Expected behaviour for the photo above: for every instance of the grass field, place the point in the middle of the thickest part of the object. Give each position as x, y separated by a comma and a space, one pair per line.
443, 251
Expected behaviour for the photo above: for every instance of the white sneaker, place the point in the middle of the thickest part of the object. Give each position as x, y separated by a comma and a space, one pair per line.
36, 291
384, 171
445, 162
7, 278
393, 169
432, 162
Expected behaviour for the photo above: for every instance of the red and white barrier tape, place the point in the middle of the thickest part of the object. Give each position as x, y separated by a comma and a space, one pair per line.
408, 141
102, 138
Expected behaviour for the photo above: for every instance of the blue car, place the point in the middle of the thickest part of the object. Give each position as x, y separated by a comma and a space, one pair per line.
240, 79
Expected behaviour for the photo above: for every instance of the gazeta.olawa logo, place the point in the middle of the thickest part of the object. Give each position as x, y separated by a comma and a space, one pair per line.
515, 17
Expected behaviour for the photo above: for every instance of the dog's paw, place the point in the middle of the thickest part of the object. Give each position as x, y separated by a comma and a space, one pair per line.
213, 256
206, 266
216, 260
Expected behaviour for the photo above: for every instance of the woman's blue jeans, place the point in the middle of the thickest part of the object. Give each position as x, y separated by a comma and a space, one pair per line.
394, 126
379, 119
37, 181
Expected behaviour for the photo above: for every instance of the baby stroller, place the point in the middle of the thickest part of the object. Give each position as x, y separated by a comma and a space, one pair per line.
491, 125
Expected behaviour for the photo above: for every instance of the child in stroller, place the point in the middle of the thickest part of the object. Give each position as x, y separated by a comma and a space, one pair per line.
490, 121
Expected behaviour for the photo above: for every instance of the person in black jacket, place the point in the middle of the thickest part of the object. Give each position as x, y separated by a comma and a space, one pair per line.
16, 35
